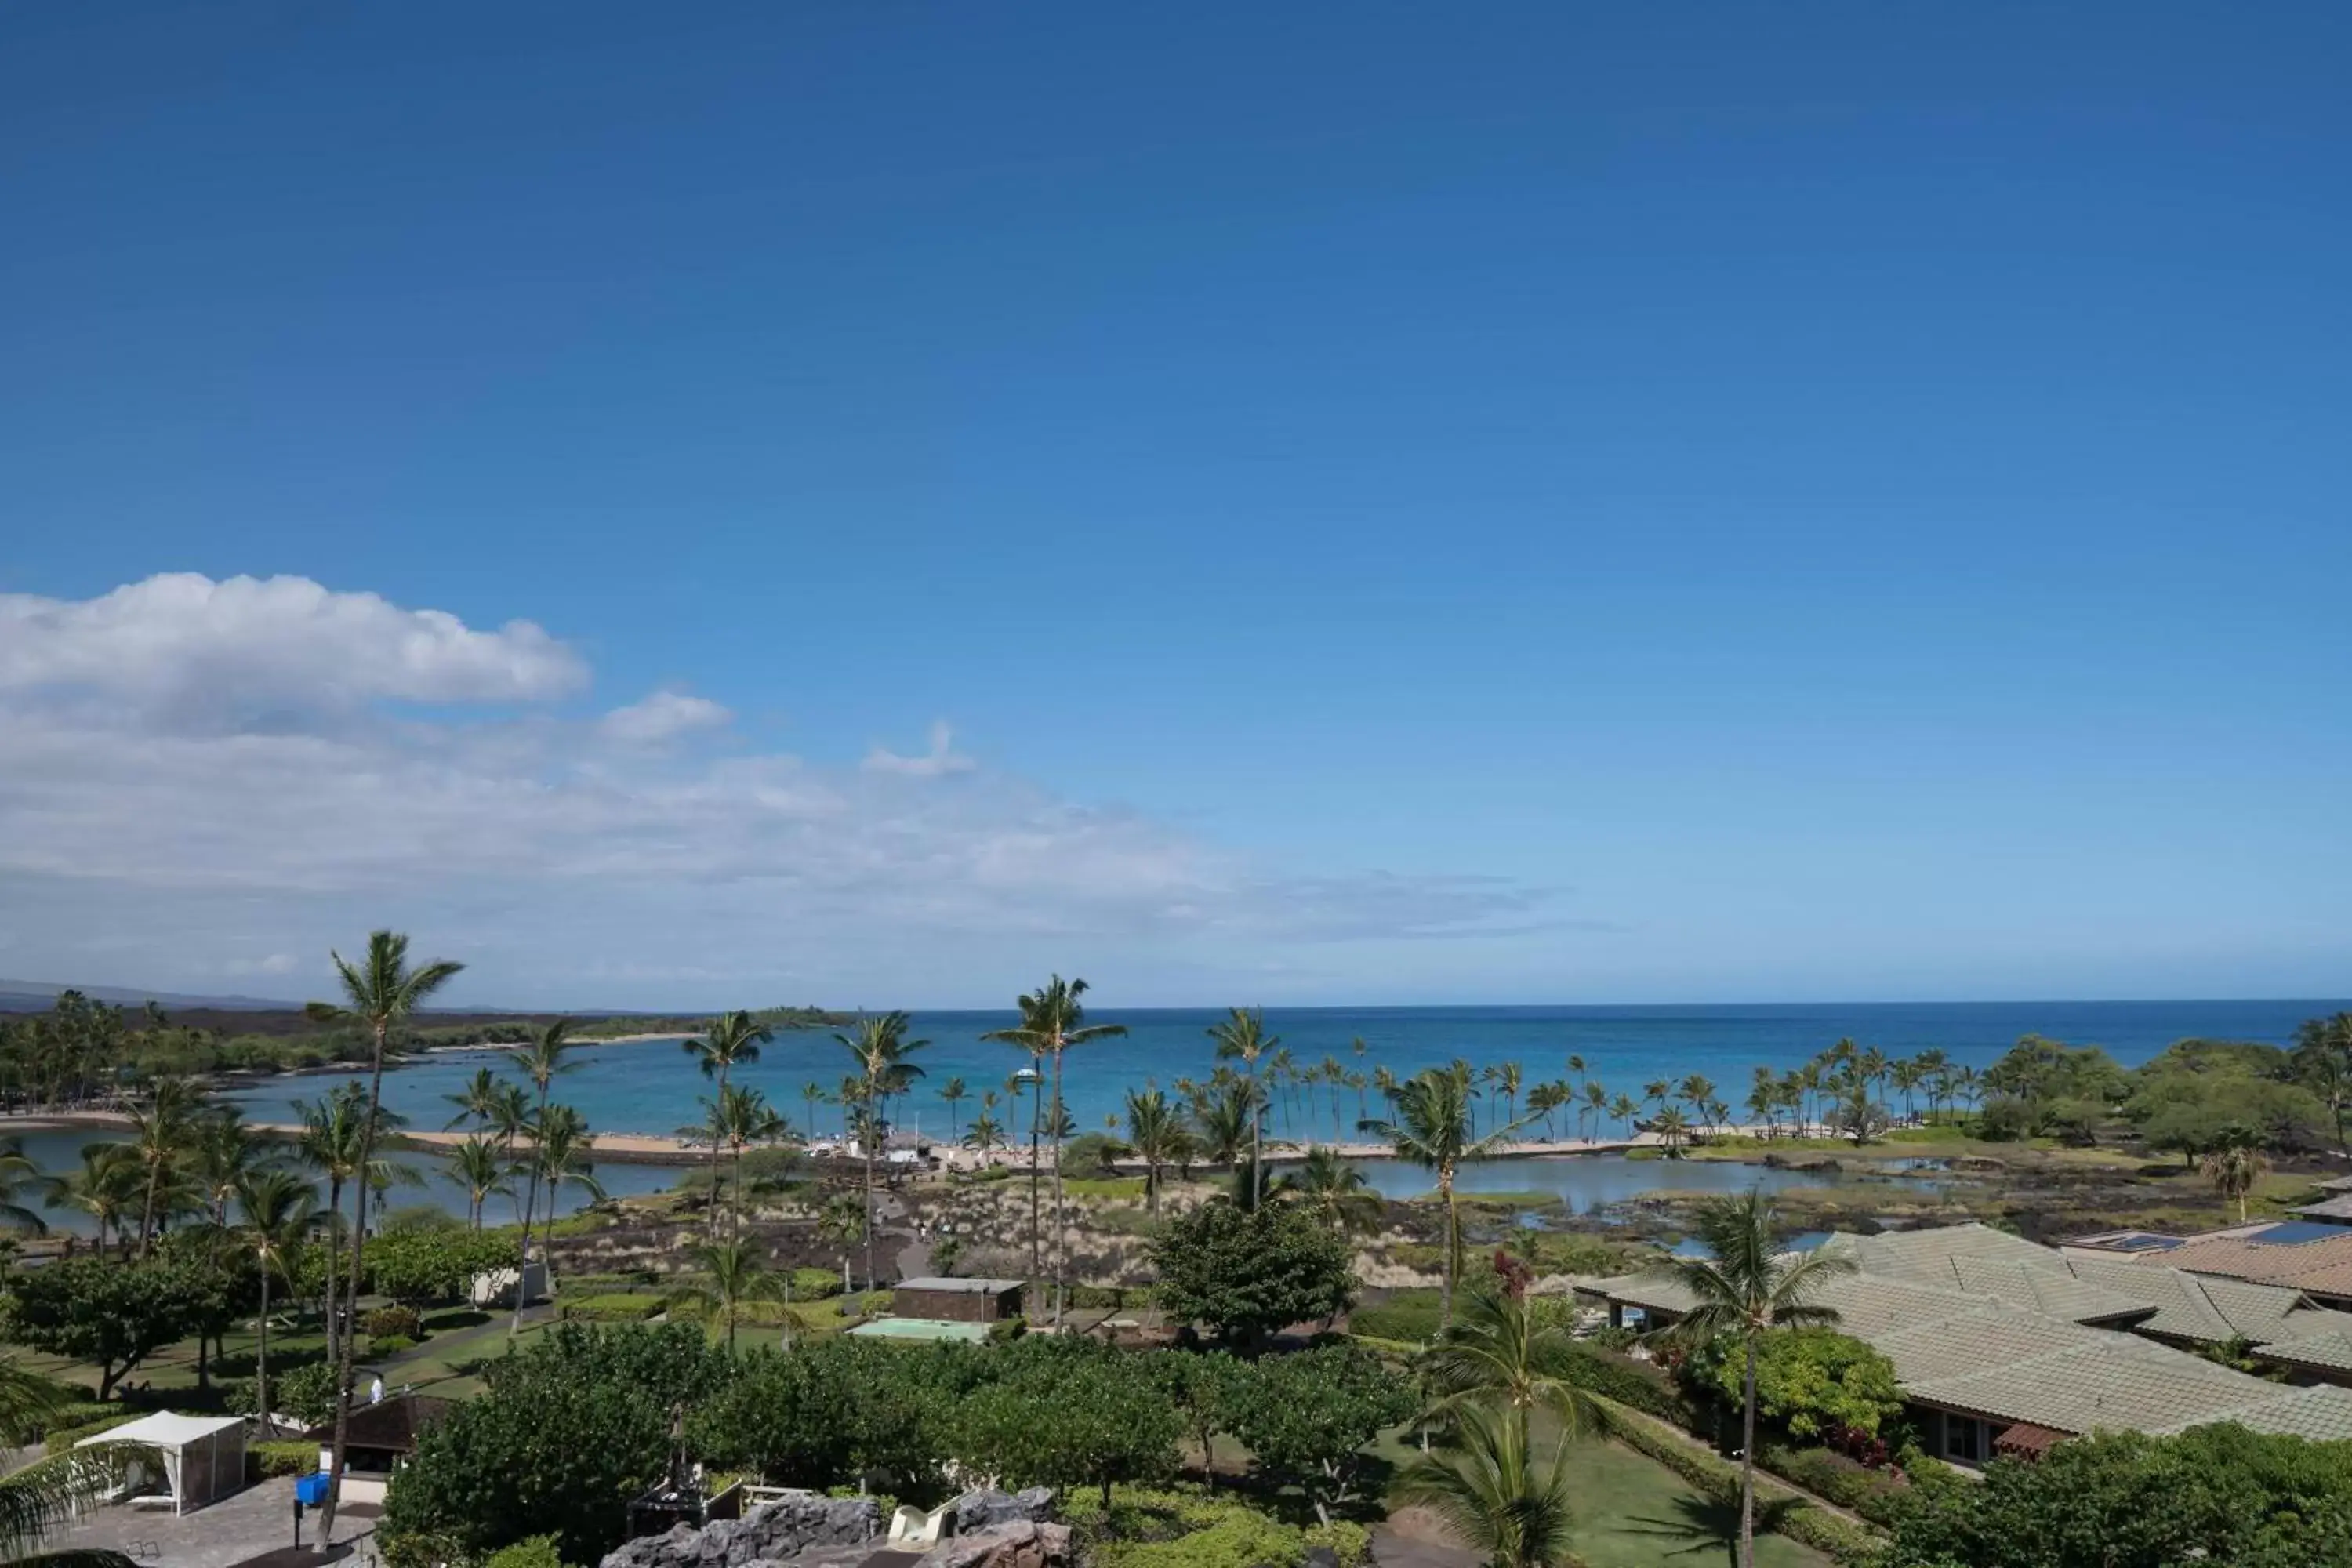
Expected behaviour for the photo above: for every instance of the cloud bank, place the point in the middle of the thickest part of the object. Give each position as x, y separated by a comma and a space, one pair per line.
203, 778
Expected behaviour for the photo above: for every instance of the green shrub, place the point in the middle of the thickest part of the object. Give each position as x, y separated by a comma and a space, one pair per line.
614, 1309
1405, 1317
538, 1552
1638, 1384
996, 1173
1007, 1329
815, 1283
1102, 1296
603, 1284
1350, 1541
1719, 1480
1185, 1528
267, 1461
61, 1438
388, 1321
78, 1413
385, 1345
1874, 1494
305, 1392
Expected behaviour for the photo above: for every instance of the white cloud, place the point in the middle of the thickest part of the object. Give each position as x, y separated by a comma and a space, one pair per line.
273, 810
664, 716
179, 637
943, 758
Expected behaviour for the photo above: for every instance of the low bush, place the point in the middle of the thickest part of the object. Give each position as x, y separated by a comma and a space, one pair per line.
614, 1309
1719, 1481
388, 1321
603, 1284
1410, 1316
1877, 1495
1104, 1296
383, 1345
76, 1413
267, 1461
1639, 1384
995, 1174
305, 1392
815, 1283
538, 1552
61, 1438
1184, 1527
1006, 1328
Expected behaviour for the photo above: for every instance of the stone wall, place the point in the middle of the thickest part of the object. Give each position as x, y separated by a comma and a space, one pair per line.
993, 1529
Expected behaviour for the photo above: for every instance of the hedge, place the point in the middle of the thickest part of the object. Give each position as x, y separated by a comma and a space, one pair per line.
616, 1308
1186, 1527
1410, 1320
1874, 1494
291, 1457
815, 1283
1719, 1480
78, 1413
1633, 1382
61, 1438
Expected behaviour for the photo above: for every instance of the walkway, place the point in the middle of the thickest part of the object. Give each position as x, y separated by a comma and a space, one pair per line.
256, 1524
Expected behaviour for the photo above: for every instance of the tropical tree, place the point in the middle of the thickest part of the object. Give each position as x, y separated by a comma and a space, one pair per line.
1333, 1190
163, 1131
1156, 1131
479, 1166
1494, 1493
740, 1118
477, 1102
1430, 1127
2233, 1169
107, 1187
738, 1274
333, 1142
48, 1496
21, 1178
560, 1146
277, 1206
734, 1040
542, 1061
1499, 1352
1672, 1129
379, 993
1242, 1038
880, 1048
1053, 1021
954, 1093
1744, 1286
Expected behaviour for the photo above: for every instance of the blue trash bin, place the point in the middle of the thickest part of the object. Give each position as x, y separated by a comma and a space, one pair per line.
311, 1490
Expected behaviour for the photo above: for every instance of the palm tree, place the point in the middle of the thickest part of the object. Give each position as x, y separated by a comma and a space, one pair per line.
1242, 1038
1596, 1101
106, 1187
1156, 1131
1225, 1112
842, 1221
475, 1101
277, 1207
1494, 1493
738, 1274
740, 1118
542, 1062
161, 1133
1332, 1190
1501, 1352
330, 1143
880, 1049
21, 1178
1430, 1127
48, 1496
1053, 1021
1745, 1286
479, 1166
1673, 1129
1623, 1109
983, 1134
379, 993
954, 1093
734, 1040
2233, 1169
560, 1146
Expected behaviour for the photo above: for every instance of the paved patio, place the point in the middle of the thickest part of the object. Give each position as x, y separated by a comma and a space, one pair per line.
256, 1524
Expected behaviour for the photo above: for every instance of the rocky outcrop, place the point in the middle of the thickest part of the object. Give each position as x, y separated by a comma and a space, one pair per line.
789, 1528
1016, 1543
986, 1510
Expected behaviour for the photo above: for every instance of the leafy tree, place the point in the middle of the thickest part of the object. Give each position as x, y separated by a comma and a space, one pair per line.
1505, 1499
1811, 1381
419, 1267
1309, 1417
115, 1315
787, 1417
1069, 1413
1247, 1273
1430, 1125
2322, 1062
1744, 1288
2195, 1113
1334, 1191
1205, 1387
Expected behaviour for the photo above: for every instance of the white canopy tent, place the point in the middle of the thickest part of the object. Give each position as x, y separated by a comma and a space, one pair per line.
202, 1456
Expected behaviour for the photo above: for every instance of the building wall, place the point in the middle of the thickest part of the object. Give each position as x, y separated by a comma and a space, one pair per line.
954, 1306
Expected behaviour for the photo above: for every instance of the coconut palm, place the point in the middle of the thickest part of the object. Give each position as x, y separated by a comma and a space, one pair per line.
1225, 1112
379, 993
1622, 1108
1430, 1127
163, 1133
953, 1093
880, 1049
20, 1178
1672, 1129
542, 1061
107, 1187
334, 1141
479, 1166
740, 1118
2233, 1169
49, 1495
1053, 1022
1156, 1131
278, 1207
1499, 1352
1242, 1038
1494, 1493
983, 1134
738, 1274
1744, 1286
1334, 1191
476, 1100
732, 1040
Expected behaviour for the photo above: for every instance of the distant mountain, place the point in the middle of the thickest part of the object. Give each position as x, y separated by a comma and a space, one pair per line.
37, 996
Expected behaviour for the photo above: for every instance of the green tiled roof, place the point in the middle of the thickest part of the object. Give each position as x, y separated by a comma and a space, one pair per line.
2330, 1348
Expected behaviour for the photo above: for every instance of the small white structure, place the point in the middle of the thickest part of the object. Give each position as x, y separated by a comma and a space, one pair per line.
496, 1286
203, 1458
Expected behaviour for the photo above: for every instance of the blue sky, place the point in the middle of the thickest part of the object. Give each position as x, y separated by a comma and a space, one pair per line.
1556, 504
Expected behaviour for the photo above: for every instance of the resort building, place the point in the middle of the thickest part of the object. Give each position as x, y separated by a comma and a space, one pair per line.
2003, 1346
2310, 1257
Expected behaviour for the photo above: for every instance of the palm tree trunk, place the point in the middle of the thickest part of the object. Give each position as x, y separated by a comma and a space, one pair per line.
1036, 1223
334, 1212
530, 1205
1748, 1466
147, 1212
1258, 1143
868, 1140
1453, 1243
261, 1355
1061, 1221
714, 1153
352, 1287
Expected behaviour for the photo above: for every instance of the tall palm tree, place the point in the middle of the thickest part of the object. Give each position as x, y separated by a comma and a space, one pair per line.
738, 1274
561, 1147
1672, 1129
880, 1048
1745, 1286
2233, 1169
479, 1166
732, 1040
954, 1093
1156, 1131
983, 1134
740, 1118
163, 1131
21, 1178
1334, 1191
1430, 1127
1623, 1109
1494, 1493
331, 1142
107, 1187
379, 993
542, 1061
47, 1497
1225, 1112
278, 1207
474, 1102
224, 1155
1242, 1038
1501, 1352
1053, 1021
